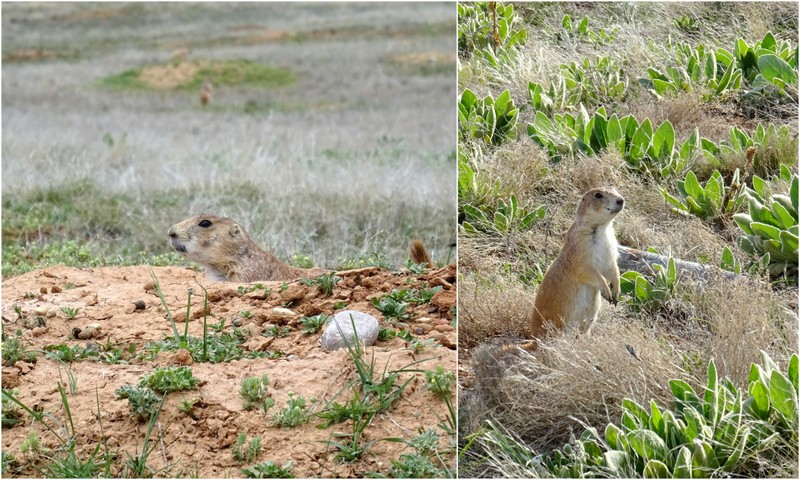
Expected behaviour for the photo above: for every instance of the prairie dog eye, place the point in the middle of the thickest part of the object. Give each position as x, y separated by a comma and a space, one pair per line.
598, 195
204, 224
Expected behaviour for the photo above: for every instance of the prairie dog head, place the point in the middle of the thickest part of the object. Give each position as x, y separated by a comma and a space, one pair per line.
599, 206
208, 239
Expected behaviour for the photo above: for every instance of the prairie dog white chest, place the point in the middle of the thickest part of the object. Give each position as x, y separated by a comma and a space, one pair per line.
604, 248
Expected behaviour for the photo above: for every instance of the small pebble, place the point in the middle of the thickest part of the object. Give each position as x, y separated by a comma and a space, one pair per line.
55, 289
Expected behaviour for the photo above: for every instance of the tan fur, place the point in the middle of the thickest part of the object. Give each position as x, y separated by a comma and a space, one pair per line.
228, 253
569, 296
419, 254
205, 93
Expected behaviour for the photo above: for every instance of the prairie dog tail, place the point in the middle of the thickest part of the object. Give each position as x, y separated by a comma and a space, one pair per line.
419, 254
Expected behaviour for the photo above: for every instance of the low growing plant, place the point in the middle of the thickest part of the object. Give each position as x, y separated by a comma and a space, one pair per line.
254, 391
295, 413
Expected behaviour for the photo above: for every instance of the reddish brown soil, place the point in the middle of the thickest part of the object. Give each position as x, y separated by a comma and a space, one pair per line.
200, 445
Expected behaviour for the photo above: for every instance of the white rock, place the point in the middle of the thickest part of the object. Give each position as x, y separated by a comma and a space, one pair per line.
366, 326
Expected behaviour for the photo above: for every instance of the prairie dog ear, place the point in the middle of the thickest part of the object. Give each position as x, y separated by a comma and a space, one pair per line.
234, 231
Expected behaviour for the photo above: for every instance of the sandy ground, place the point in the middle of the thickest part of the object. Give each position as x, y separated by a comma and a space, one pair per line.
200, 444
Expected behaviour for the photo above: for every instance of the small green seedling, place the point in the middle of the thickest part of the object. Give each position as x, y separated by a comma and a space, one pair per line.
440, 381
248, 453
70, 312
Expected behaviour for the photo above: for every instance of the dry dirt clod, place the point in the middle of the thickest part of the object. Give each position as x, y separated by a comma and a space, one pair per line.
139, 304
55, 289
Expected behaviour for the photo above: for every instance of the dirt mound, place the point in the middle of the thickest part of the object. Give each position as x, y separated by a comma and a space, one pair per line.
266, 318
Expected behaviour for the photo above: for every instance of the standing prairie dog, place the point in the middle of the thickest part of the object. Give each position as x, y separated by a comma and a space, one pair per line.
569, 296
205, 92
228, 253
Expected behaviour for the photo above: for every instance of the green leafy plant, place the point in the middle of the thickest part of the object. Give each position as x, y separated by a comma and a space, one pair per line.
314, 323
169, 379
295, 413
721, 432
142, 400
254, 391
687, 24
579, 29
506, 218
491, 120
440, 381
490, 36
11, 413
325, 282
770, 226
650, 295
715, 200
269, 469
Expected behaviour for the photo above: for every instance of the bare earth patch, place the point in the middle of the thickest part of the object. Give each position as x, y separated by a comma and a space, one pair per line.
165, 77
200, 444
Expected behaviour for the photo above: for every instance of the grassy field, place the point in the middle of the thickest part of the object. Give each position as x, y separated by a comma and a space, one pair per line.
566, 97
329, 134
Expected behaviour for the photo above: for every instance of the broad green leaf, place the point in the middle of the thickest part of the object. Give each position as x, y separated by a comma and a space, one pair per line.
684, 392
773, 67
475, 213
500, 222
598, 139
783, 396
793, 372
760, 399
566, 22
784, 216
584, 25
711, 393
786, 203
637, 411
711, 66
664, 140
768, 42
656, 420
641, 141
647, 444
618, 462
766, 231
692, 186
683, 464
656, 469
744, 220
733, 460
614, 437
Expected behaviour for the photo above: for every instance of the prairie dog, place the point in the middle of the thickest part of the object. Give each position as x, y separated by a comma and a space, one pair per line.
205, 92
228, 253
569, 296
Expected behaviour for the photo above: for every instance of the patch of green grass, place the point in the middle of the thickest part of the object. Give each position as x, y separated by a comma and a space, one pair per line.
228, 73
127, 80
391, 308
69, 312
295, 413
